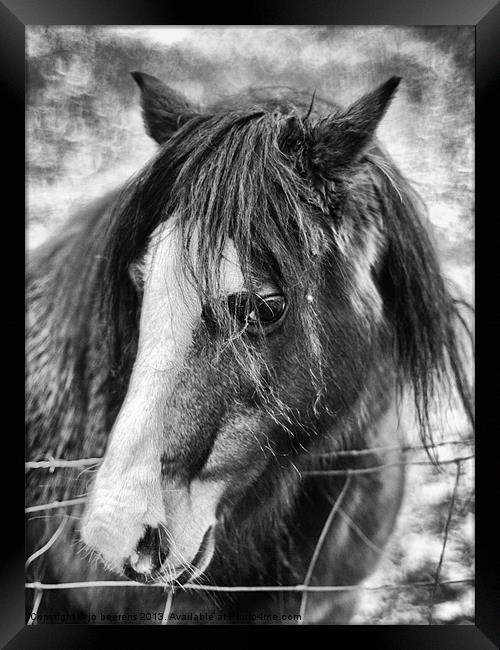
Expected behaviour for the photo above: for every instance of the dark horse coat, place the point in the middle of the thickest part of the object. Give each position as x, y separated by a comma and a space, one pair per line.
259, 296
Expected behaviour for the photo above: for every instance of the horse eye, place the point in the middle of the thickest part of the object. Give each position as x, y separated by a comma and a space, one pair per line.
257, 311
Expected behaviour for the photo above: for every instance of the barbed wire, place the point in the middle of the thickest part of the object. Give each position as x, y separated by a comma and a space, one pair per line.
379, 468
52, 464
318, 472
43, 586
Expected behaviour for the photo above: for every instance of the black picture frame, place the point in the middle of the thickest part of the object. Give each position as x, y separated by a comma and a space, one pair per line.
485, 16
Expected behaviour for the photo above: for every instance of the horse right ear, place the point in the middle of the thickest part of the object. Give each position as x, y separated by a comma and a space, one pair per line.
164, 109
340, 140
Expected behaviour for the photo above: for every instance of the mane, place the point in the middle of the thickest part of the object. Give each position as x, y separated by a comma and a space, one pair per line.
431, 334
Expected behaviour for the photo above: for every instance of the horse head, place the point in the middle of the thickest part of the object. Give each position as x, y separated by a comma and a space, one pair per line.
274, 286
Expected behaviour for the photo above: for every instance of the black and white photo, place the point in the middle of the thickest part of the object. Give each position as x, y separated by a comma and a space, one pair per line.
250, 320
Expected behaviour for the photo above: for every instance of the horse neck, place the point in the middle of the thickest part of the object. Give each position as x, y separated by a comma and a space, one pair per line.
66, 376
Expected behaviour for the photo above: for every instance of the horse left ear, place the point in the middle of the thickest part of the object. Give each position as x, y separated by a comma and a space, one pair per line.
340, 140
164, 109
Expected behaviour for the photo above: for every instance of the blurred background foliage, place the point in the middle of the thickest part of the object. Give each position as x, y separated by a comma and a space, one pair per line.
85, 135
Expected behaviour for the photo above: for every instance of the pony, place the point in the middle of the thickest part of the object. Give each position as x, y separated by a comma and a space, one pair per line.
259, 300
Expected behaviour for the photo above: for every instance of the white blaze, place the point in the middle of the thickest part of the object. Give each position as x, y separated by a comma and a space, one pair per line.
127, 493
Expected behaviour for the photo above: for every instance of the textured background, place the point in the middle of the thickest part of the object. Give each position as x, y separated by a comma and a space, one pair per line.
85, 135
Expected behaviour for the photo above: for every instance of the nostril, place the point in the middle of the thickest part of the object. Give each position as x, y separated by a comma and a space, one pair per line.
148, 556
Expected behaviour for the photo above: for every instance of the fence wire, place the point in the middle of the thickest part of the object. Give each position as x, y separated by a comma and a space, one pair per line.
52, 464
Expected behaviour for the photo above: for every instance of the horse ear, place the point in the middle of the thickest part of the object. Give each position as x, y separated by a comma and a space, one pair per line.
164, 109
340, 140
